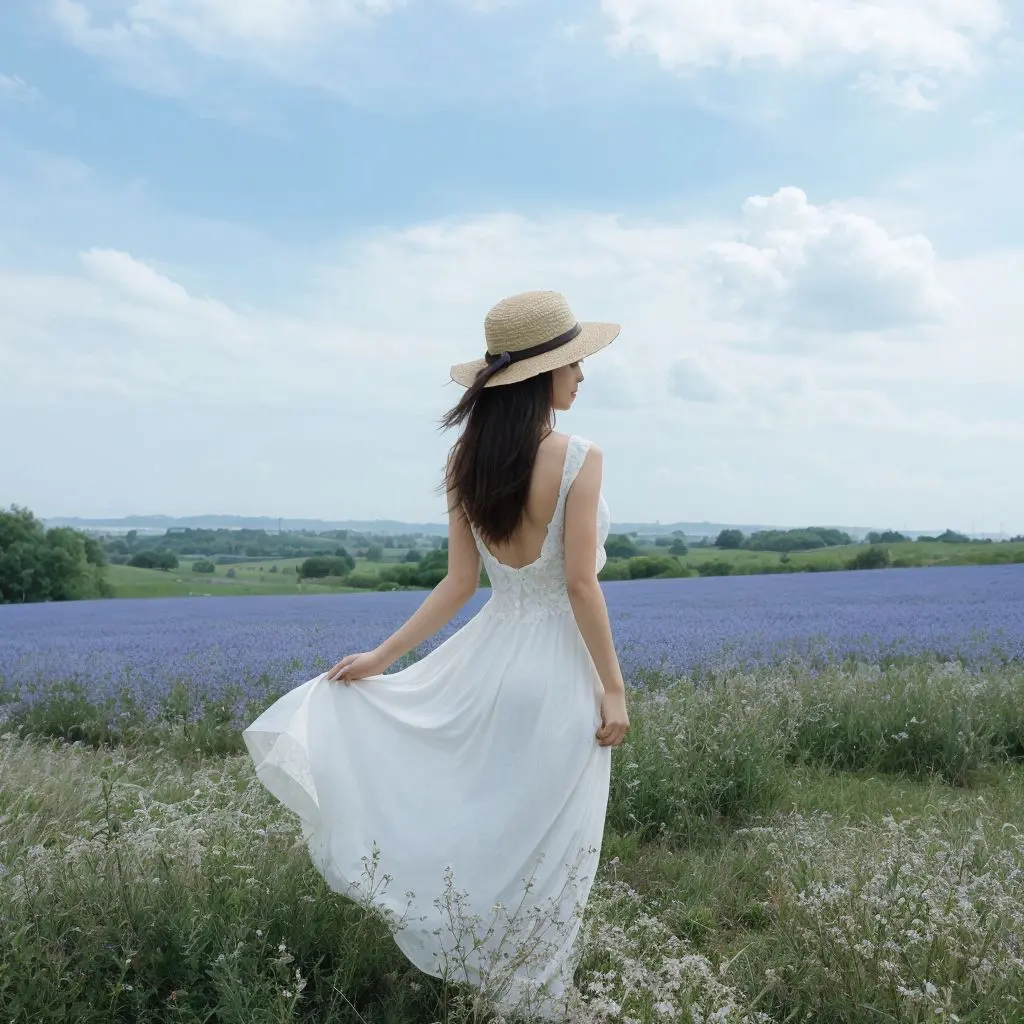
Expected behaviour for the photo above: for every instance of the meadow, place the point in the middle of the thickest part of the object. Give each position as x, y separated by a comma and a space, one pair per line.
816, 816
280, 575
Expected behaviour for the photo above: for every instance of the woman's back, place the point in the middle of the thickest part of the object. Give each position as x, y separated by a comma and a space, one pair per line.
527, 543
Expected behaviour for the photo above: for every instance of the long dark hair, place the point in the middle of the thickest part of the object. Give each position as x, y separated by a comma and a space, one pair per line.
491, 464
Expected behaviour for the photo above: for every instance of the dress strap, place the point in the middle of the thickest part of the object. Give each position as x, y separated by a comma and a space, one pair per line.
575, 453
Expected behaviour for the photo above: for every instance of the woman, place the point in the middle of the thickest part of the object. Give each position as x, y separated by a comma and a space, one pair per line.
465, 795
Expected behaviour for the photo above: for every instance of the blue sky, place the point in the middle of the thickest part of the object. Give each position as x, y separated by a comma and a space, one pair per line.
241, 241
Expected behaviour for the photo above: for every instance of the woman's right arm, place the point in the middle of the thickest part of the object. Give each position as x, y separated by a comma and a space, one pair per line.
586, 596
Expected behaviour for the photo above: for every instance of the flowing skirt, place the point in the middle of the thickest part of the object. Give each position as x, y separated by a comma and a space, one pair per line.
464, 796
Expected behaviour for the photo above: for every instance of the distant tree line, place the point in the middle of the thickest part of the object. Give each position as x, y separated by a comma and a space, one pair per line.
806, 539
226, 547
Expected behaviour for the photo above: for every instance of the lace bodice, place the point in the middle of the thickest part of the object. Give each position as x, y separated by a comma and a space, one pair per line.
538, 589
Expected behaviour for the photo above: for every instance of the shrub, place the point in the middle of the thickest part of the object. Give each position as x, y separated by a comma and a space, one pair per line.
729, 539
717, 567
618, 545
644, 567
915, 923
917, 718
886, 537
230, 574
614, 569
363, 580
153, 559
697, 752
320, 566
874, 557
204, 565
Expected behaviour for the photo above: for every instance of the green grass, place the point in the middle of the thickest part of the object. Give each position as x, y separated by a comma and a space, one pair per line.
128, 581
842, 847
249, 578
910, 553
257, 578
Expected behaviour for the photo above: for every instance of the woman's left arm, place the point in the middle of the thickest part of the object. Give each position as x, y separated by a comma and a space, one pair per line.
440, 607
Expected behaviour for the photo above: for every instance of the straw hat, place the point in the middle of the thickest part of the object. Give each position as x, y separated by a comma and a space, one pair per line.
531, 333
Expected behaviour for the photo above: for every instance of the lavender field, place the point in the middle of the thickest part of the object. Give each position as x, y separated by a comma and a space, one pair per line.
258, 646
817, 814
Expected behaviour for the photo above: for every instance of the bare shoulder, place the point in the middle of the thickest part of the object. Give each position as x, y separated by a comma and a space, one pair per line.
556, 439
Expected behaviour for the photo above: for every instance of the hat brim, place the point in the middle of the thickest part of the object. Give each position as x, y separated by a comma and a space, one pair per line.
593, 338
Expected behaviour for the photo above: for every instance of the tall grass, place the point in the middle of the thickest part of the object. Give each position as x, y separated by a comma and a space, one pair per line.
145, 875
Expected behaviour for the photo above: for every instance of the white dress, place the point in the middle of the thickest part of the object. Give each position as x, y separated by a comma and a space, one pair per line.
470, 782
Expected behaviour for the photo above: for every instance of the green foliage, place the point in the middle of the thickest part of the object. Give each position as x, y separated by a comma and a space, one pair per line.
36, 564
327, 565
614, 569
874, 557
662, 542
916, 718
620, 546
644, 568
154, 559
375, 553
412, 555
952, 537
886, 537
678, 548
230, 574
717, 567
788, 832
427, 572
729, 539
363, 580
696, 752
796, 540
204, 565
224, 546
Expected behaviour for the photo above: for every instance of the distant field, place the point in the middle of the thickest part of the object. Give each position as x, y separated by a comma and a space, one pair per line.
182, 582
258, 577
913, 553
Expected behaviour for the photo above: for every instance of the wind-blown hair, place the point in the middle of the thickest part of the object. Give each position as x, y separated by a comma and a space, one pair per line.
490, 466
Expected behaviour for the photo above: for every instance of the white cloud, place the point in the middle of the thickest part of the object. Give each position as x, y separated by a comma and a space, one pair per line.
217, 27
826, 267
154, 43
337, 394
690, 381
13, 87
908, 44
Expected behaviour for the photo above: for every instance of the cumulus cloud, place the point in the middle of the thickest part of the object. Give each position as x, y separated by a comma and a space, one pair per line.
826, 267
908, 44
339, 389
